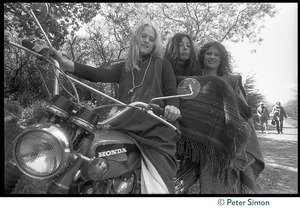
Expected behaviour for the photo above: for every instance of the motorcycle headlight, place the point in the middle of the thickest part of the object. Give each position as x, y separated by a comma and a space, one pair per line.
42, 151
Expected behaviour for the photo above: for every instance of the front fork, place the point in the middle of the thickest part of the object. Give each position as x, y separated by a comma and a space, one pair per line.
62, 184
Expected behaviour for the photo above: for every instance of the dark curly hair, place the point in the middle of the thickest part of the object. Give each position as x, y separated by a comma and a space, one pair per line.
225, 65
172, 54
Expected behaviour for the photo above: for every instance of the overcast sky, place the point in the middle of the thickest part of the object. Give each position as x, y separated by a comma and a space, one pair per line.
275, 61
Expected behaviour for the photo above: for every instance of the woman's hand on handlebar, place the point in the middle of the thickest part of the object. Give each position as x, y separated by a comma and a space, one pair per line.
65, 64
171, 113
53, 53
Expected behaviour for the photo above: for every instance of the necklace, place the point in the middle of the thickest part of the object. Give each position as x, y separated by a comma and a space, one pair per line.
133, 83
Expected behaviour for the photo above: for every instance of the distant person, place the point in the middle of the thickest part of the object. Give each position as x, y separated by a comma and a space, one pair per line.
263, 114
279, 113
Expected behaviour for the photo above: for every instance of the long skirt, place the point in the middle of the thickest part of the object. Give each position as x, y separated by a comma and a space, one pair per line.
157, 143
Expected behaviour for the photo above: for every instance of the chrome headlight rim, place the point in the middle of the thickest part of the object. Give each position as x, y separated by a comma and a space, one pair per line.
61, 141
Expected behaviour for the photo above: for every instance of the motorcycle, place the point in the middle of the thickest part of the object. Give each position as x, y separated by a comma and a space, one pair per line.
79, 153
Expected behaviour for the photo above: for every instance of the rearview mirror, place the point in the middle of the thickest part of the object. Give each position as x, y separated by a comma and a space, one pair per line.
189, 88
40, 10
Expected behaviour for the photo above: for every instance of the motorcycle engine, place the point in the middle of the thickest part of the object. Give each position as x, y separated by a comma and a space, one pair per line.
126, 184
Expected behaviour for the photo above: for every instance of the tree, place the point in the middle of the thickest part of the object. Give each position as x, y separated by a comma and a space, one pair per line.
108, 28
62, 19
291, 108
254, 97
212, 21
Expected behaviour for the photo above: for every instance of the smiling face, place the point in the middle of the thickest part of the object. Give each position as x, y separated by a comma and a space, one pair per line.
212, 58
146, 41
184, 49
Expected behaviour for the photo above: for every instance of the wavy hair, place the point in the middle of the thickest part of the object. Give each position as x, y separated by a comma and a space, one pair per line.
133, 52
225, 64
172, 54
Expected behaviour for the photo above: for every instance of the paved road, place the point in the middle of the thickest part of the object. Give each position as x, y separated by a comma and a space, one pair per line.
280, 152
289, 132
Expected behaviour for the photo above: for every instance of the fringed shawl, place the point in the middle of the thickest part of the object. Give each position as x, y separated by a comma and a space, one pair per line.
214, 126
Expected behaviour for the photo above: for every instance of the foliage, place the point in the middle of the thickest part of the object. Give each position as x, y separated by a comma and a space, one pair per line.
11, 130
11, 127
13, 107
61, 17
28, 185
291, 109
254, 97
33, 113
202, 21
107, 28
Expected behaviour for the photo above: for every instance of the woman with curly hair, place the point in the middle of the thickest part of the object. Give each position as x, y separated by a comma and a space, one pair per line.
218, 134
222, 62
215, 60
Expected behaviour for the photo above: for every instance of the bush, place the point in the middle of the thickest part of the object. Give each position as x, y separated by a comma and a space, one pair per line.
11, 127
13, 107
27, 116
34, 113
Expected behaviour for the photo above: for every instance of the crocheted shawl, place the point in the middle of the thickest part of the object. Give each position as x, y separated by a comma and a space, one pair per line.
214, 126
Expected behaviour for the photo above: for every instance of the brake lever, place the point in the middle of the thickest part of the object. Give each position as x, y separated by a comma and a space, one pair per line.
150, 112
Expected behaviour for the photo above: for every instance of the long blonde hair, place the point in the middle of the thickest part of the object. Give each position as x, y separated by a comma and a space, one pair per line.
133, 52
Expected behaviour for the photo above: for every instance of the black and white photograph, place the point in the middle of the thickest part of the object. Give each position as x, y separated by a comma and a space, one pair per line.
162, 100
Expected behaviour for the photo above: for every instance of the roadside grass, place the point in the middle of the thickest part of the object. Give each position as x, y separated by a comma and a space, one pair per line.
280, 175
292, 122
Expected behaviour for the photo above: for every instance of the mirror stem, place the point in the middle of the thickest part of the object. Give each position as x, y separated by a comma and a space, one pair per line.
170, 97
38, 23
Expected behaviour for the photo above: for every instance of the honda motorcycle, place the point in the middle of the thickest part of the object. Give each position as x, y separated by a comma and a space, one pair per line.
79, 153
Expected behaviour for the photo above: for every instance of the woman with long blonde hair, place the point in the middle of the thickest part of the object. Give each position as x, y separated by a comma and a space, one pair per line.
141, 77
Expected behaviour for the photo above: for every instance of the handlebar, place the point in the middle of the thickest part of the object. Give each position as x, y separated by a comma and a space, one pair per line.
28, 44
155, 111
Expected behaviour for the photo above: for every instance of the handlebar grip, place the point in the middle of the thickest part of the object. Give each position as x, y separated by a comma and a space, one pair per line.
157, 110
28, 44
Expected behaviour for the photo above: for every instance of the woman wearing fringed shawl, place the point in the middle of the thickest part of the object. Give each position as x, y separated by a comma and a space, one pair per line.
218, 131
214, 60
142, 76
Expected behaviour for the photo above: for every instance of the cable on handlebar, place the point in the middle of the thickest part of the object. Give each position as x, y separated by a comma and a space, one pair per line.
62, 85
61, 71
73, 86
39, 67
112, 105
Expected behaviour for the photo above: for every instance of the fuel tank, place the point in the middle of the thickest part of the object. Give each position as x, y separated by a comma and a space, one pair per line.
119, 151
